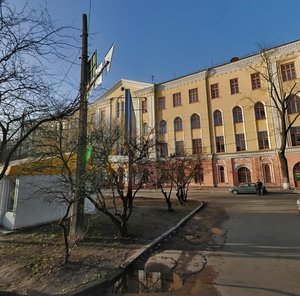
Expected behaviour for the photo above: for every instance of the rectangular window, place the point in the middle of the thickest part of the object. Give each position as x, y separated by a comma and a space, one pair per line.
294, 105
197, 146
102, 116
288, 71
240, 142
295, 135
234, 86
161, 103
64, 125
77, 123
263, 141
179, 148
214, 90
220, 147
144, 106
118, 110
163, 149
255, 80
193, 95
177, 99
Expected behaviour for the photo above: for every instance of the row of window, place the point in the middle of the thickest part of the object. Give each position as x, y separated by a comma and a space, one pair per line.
234, 85
240, 143
288, 72
237, 114
259, 110
178, 125
193, 98
179, 147
262, 137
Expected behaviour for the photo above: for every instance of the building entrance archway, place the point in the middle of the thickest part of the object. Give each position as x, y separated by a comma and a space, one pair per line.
296, 172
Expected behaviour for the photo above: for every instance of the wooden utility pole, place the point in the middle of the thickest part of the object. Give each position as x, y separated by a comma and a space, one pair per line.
77, 220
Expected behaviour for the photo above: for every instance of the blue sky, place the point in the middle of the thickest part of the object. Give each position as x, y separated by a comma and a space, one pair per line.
171, 38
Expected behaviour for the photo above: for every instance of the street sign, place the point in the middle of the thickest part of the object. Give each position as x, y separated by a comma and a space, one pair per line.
92, 66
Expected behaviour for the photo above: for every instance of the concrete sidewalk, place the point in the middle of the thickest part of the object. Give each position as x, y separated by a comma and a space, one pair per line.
94, 287
156, 193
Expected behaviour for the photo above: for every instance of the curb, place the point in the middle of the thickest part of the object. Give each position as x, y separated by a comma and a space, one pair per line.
90, 289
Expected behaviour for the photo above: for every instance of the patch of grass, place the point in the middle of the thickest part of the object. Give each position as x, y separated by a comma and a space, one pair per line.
149, 219
101, 251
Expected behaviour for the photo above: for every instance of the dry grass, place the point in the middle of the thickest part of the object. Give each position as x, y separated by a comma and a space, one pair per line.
32, 259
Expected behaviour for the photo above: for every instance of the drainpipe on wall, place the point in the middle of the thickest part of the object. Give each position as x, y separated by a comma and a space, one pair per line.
210, 125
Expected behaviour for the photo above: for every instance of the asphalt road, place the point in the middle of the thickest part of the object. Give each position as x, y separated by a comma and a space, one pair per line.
261, 254
255, 250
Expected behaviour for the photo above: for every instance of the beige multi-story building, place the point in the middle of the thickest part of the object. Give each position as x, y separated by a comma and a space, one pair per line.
224, 113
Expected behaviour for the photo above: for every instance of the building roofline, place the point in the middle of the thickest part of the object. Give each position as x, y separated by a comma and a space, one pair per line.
121, 83
243, 58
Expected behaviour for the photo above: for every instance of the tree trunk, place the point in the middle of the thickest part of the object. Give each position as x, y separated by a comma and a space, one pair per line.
167, 198
124, 229
66, 242
284, 170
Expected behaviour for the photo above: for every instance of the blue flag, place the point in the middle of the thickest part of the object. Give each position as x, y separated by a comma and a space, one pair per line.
130, 121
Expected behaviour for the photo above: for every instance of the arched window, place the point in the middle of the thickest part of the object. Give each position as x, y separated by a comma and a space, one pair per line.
259, 111
294, 105
162, 127
237, 114
218, 118
195, 121
221, 174
178, 124
244, 175
267, 172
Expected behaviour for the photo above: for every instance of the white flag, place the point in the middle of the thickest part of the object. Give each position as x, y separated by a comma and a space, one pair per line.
108, 57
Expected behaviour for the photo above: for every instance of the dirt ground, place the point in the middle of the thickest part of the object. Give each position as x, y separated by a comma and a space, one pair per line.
199, 234
31, 260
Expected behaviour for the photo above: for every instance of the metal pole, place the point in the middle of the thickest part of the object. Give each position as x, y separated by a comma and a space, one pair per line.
77, 221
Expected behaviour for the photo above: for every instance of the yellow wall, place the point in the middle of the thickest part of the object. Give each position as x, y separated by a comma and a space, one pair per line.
246, 98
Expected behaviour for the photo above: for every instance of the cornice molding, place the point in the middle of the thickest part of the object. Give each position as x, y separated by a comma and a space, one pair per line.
245, 154
145, 91
227, 67
182, 81
255, 58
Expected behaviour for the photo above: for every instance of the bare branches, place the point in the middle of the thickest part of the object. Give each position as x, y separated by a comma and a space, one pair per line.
29, 46
282, 94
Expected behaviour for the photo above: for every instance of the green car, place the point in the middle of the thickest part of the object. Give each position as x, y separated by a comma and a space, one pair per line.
246, 188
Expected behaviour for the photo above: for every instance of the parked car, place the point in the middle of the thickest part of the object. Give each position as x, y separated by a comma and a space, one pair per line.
246, 188
298, 204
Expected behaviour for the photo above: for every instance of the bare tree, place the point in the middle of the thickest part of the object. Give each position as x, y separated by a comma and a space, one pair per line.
282, 98
55, 151
176, 172
160, 176
108, 175
184, 168
29, 45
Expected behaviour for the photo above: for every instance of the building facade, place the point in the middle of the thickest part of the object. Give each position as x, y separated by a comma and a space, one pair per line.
224, 113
